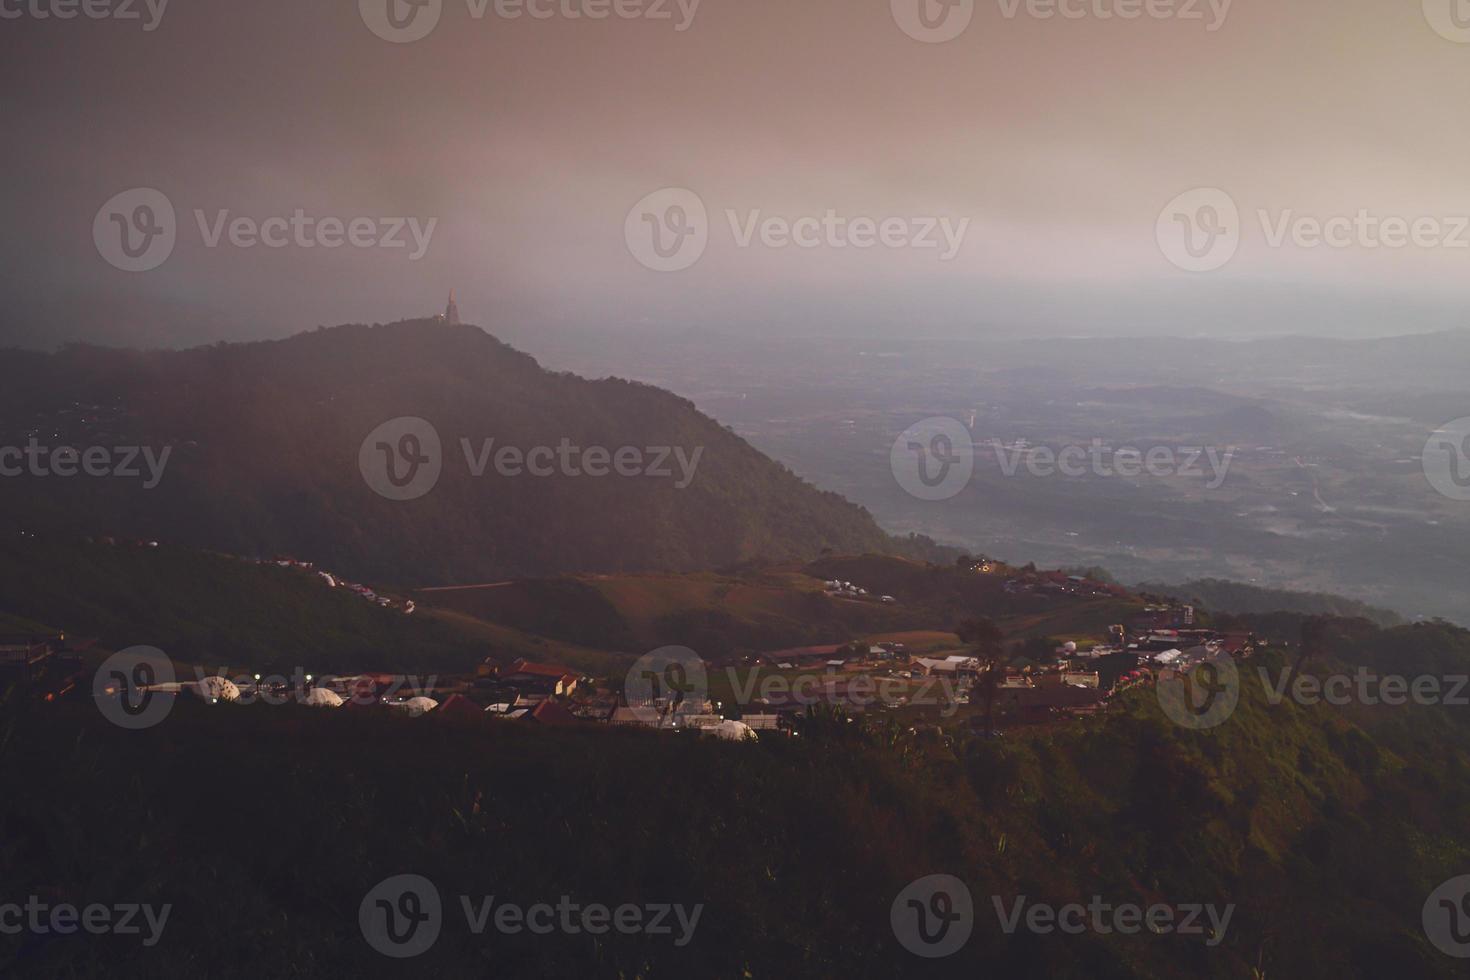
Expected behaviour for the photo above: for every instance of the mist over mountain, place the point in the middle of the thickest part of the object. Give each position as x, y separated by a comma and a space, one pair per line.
264, 443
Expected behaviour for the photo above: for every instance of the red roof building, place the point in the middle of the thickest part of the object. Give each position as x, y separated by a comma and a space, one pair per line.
552, 713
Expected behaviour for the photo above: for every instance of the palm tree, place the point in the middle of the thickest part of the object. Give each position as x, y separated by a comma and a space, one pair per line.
988, 642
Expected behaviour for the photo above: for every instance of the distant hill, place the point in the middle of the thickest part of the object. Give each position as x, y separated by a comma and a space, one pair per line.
265, 441
1221, 596
1246, 423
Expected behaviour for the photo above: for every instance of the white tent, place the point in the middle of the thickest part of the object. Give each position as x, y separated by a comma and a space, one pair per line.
320, 697
217, 689
418, 706
734, 731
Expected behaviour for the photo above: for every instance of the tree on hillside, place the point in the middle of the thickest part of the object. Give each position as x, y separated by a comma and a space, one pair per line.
1312, 644
988, 642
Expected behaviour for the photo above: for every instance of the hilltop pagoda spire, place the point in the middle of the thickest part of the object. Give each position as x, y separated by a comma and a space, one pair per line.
451, 312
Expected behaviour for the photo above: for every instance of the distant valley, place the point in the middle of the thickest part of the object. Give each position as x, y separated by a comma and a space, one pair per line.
1325, 489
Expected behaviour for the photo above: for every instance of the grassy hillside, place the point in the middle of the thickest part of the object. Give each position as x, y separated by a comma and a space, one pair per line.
717, 614
765, 607
217, 610
1325, 839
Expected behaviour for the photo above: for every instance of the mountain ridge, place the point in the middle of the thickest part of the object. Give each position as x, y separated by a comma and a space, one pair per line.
266, 440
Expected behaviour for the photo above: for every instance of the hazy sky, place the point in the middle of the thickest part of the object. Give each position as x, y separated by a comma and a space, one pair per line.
1053, 143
